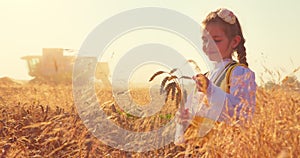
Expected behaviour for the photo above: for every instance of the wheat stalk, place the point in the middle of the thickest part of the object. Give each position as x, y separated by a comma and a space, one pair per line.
195, 64
173, 86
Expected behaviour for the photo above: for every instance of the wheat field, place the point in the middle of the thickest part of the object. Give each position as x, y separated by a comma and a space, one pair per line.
41, 120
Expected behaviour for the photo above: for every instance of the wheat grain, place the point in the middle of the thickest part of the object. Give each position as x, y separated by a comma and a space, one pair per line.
156, 74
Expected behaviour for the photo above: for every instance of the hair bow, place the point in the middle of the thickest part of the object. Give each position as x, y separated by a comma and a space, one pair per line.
227, 16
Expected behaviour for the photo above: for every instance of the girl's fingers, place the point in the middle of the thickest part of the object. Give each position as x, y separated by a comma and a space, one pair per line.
184, 110
184, 114
201, 82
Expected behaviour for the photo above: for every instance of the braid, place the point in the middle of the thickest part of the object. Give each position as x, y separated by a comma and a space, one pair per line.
241, 49
241, 52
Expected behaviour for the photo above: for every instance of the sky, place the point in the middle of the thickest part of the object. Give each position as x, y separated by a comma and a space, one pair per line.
27, 26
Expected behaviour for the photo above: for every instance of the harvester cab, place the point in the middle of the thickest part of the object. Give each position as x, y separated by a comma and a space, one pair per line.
53, 65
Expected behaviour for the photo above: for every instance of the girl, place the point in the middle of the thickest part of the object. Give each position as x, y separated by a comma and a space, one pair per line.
228, 91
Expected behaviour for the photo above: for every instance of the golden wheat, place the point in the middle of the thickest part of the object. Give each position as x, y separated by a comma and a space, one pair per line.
40, 120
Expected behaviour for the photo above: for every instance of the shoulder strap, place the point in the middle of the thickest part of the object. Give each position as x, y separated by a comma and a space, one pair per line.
222, 75
228, 75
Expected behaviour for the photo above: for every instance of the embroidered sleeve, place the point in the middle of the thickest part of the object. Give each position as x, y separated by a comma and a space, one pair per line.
239, 102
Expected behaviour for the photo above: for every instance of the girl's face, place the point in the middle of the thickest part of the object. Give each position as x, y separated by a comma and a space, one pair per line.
216, 44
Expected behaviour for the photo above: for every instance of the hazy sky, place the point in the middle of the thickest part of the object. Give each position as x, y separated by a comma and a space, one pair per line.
27, 26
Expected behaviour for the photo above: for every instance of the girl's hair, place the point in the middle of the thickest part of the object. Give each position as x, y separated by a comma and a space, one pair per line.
231, 30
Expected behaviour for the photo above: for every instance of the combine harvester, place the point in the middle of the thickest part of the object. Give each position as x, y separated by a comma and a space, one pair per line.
54, 67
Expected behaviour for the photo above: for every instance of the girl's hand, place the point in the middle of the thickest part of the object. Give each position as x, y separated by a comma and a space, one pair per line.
182, 116
202, 82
